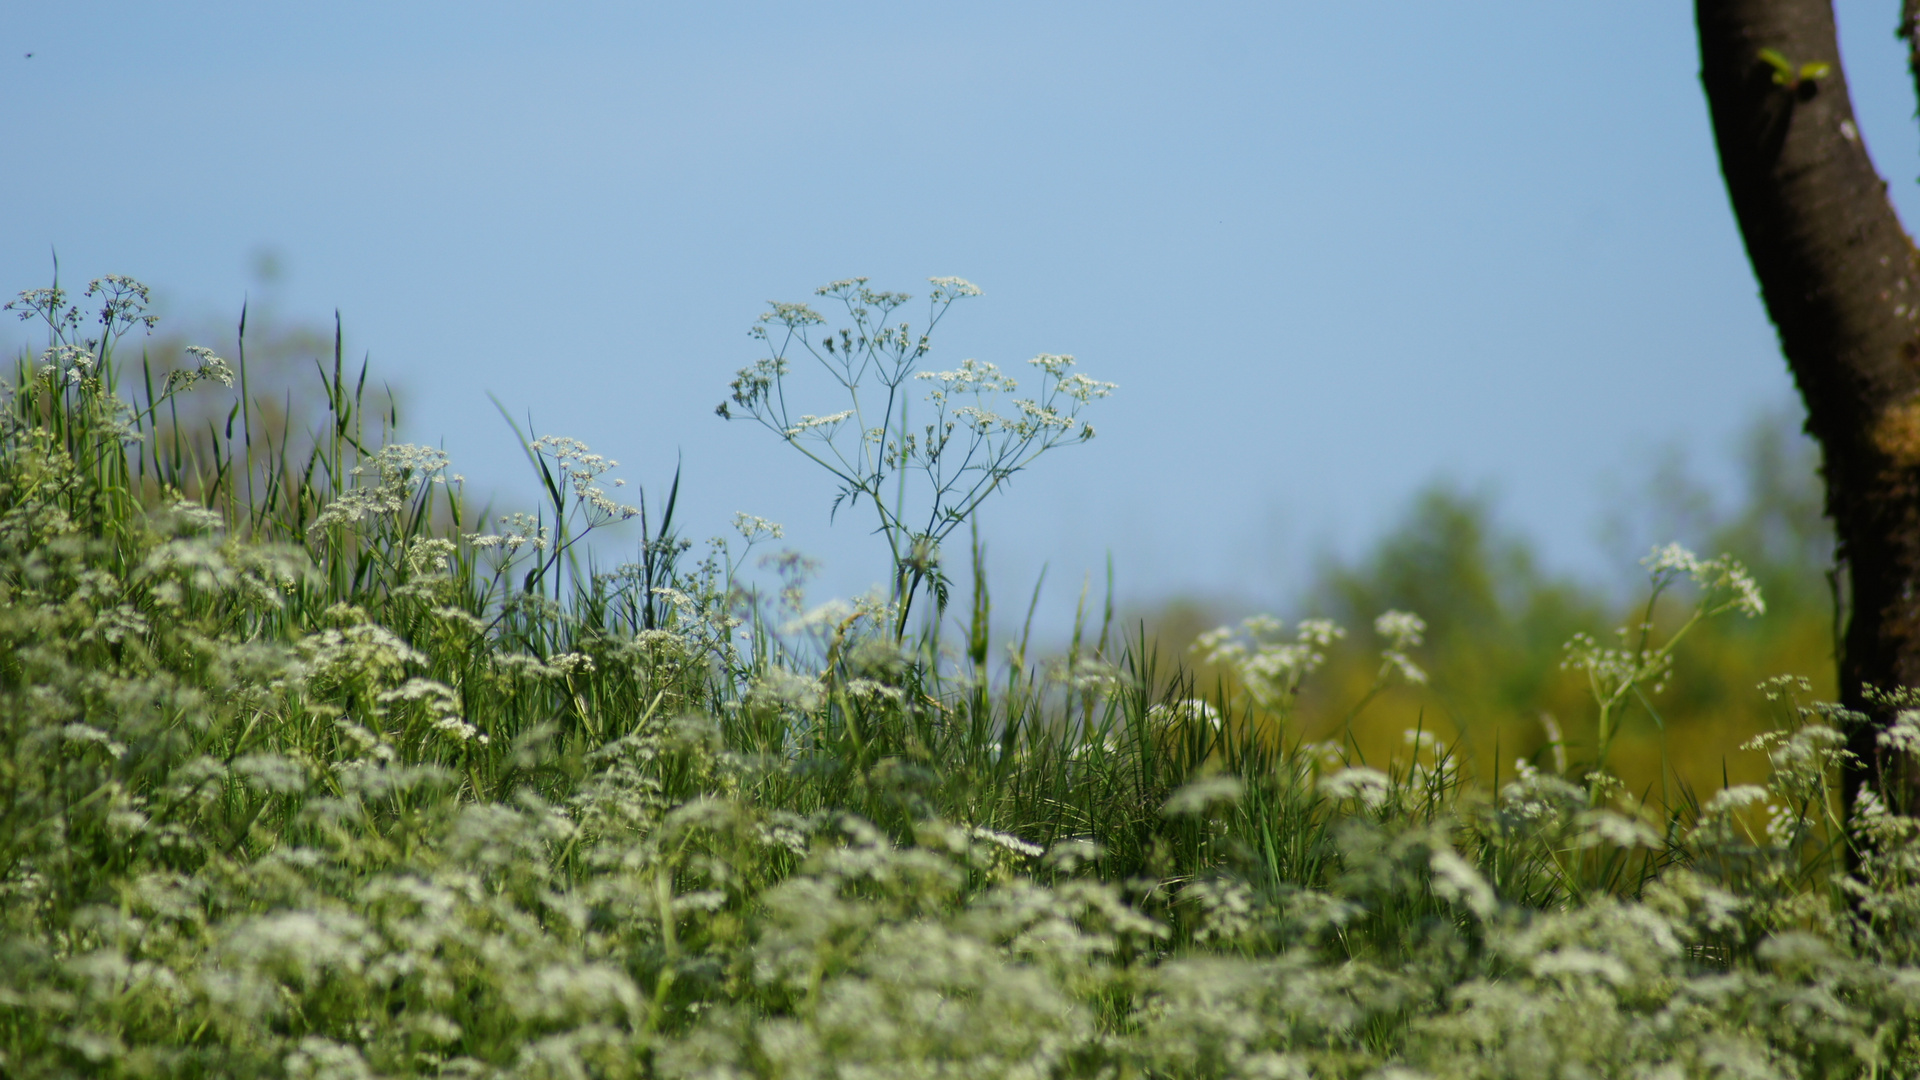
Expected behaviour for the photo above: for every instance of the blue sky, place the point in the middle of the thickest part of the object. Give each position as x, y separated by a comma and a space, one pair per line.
1330, 252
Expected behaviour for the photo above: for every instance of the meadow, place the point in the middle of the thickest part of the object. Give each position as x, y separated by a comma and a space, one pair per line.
311, 771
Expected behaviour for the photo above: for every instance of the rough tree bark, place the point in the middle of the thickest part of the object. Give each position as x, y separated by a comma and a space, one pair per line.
1841, 280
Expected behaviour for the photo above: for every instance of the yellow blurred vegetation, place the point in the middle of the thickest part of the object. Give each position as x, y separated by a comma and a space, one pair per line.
1498, 625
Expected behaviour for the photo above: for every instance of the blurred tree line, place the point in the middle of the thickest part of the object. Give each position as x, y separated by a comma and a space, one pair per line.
1498, 624
286, 364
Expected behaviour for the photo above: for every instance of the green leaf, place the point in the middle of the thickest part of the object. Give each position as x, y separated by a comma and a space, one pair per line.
1782, 67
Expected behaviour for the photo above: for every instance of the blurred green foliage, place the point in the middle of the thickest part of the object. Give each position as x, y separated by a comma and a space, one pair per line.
1498, 624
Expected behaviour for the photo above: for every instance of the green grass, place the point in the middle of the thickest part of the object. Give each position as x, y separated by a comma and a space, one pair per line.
308, 773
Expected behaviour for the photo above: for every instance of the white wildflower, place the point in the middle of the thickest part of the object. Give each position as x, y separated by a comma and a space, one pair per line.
1271, 670
1092, 675
1369, 788
1319, 633
1903, 734
84, 734
516, 531
1722, 575
188, 516
1403, 628
813, 423
570, 663
211, 369
951, 288
580, 468
1456, 881
800, 314
1008, 841
873, 692
1200, 796
1784, 826
1784, 686
1069, 856
752, 528
274, 774
1189, 711
1577, 964
430, 554
1672, 559
366, 650
294, 947
787, 689
562, 992
317, 1058
1732, 799
1083, 390
1227, 908
823, 618
400, 468
1605, 827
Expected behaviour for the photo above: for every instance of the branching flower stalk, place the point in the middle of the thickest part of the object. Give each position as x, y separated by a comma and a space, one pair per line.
1617, 675
922, 481
1269, 667
69, 390
1272, 669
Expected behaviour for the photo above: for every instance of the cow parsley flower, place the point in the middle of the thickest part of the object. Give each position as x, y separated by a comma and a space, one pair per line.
1369, 788
1903, 734
1200, 796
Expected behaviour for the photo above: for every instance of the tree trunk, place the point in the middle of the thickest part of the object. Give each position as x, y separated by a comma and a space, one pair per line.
1909, 32
1841, 281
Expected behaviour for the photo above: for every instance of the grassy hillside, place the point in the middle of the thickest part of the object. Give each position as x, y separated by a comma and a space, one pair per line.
307, 773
